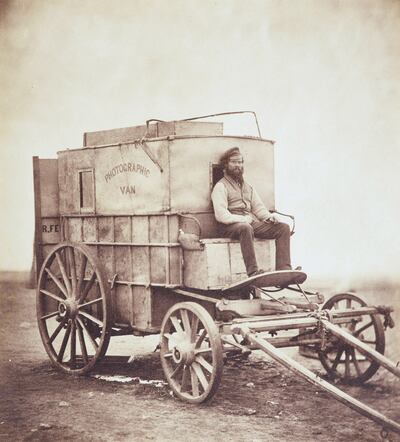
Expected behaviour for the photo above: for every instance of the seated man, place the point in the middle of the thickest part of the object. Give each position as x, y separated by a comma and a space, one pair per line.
242, 215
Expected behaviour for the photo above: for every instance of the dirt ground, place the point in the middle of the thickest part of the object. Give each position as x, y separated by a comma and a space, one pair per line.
257, 400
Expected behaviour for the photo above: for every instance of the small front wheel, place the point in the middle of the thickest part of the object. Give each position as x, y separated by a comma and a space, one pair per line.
191, 352
344, 362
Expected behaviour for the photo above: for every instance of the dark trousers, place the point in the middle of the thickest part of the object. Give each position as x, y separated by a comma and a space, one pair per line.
246, 233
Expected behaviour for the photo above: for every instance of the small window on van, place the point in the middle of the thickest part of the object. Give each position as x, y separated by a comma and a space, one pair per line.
216, 174
86, 190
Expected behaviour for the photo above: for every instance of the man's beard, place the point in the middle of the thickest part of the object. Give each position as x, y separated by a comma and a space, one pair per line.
236, 173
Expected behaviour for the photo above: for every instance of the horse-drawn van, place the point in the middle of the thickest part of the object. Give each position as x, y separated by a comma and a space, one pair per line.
126, 243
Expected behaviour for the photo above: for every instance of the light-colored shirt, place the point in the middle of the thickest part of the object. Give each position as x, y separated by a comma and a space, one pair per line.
235, 203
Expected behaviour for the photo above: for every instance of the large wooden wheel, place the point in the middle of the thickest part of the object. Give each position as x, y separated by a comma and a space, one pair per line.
191, 352
344, 362
73, 310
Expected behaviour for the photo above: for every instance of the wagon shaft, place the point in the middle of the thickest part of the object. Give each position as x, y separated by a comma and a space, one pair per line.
361, 347
249, 333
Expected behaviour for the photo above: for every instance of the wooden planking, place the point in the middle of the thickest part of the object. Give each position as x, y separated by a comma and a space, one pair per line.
122, 304
106, 257
198, 128
159, 256
217, 269
158, 129
122, 229
141, 265
163, 299
159, 265
89, 268
123, 263
175, 266
119, 135
38, 251
46, 250
122, 255
140, 229
208, 268
173, 228
89, 229
141, 306
158, 228
74, 230
106, 228
221, 263
49, 191
69, 164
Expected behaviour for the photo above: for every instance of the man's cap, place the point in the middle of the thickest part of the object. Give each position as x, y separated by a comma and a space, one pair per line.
233, 151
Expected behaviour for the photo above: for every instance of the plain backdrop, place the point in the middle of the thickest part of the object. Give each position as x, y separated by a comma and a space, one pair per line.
322, 75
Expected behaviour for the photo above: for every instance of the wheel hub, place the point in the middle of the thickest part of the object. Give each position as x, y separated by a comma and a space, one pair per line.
68, 309
183, 352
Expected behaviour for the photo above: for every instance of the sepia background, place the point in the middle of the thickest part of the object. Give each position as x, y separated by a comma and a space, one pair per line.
323, 77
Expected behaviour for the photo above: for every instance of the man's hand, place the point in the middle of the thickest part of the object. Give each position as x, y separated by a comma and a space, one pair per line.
272, 219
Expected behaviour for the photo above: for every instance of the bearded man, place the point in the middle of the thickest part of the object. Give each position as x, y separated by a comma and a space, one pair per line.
242, 215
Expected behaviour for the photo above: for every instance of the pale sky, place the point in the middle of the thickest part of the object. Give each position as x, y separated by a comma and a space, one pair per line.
322, 75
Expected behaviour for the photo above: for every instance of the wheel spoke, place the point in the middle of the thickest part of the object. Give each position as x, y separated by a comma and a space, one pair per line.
93, 342
201, 338
73, 345
49, 315
57, 281
52, 295
347, 365
337, 359
204, 363
200, 375
355, 362
95, 301
56, 331
194, 326
195, 382
176, 370
366, 341
361, 329
81, 275
71, 258
185, 378
82, 343
91, 318
185, 321
64, 343
202, 350
348, 303
87, 288
177, 325
63, 273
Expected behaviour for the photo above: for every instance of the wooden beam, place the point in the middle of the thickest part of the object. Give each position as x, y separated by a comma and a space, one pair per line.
363, 348
38, 252
309, 376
